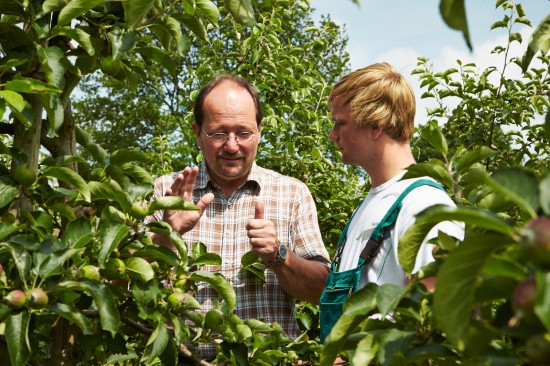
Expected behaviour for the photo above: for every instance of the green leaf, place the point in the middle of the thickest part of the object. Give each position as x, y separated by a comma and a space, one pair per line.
242, 11
209, 9
12, 7
547, 125
121, 42
544, 190
198, 250
76, 8
437, 172
7, 228
21, 259
120, 157
156, 344
194, 24
110, 190
17, 337
85, 140
434, 136
388, 297
258, 326
52, 265
168, 31
218, 283
83, 39
111, 234
539, 41
103, 298
542, 303
208, 258
410, 242
366, 350
356, 309
457, 279
74, 316
171, 203
78, 233
30, 86
71, 177
14, 99
392, 343
472, 157
508, 182
180, 245
160, 253
63, 210
159, 56
7, 194
139, 269
249, 258
454, 15
55, 111
135, 11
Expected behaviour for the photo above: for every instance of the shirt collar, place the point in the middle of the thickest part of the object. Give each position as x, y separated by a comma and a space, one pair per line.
203, 178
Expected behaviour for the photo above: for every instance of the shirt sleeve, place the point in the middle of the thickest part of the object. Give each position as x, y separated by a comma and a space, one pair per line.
308, 242
423, 198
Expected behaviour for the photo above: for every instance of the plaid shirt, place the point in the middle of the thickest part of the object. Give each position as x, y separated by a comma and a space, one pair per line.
289, 204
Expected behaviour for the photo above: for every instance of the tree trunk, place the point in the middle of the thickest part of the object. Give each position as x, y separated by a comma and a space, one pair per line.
28, 141
63, 333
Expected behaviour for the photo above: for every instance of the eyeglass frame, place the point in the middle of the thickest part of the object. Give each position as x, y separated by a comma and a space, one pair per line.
227, 136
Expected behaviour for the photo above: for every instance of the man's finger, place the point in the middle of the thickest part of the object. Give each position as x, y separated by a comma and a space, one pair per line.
259, 210
205, 201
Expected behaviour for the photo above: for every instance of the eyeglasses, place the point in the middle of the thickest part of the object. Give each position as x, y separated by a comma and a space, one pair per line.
223, 137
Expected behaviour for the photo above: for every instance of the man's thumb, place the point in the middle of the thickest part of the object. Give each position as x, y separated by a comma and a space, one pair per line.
259, 210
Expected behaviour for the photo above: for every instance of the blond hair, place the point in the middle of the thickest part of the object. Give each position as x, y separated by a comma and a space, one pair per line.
378, 96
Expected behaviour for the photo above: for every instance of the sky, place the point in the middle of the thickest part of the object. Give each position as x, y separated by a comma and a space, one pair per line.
399, 31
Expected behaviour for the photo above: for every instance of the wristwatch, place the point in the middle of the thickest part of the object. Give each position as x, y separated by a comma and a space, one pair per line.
282, 254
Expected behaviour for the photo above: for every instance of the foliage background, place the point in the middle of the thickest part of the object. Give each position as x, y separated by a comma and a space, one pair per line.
67, 216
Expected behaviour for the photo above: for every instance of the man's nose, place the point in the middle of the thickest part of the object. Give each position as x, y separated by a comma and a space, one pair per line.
231, 145
333, 135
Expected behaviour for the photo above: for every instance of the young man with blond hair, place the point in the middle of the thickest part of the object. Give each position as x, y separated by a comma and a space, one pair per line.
373, 111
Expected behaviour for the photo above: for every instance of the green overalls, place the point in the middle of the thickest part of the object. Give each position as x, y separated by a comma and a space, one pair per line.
340, 285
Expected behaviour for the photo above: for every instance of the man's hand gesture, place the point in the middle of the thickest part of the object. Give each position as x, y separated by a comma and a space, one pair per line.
185, 220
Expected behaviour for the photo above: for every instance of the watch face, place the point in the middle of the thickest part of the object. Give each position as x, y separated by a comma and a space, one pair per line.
282, 251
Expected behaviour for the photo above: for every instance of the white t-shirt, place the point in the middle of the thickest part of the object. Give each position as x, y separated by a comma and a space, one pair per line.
385, 267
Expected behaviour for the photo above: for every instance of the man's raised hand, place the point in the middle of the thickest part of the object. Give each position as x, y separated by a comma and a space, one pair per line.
183, 220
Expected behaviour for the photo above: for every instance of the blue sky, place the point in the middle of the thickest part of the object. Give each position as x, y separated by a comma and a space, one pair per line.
399, 31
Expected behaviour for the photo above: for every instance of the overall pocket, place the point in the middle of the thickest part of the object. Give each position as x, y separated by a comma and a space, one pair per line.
339, 286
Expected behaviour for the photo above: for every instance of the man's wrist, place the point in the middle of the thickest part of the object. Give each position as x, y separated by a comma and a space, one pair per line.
282, 255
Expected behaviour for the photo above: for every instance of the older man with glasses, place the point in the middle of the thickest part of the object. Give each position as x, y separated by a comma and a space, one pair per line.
244, 207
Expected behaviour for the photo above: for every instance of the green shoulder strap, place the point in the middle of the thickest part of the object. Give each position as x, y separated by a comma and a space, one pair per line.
373, 245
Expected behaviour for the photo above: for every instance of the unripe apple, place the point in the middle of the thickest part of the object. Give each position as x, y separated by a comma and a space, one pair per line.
213, 319
114, 268
180, 301
37, 298
176, 301
182, 283
111, 66
537, 350
90, 272
24, 175
541, 229
139, 209
537, 233
523, 300
16, 299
